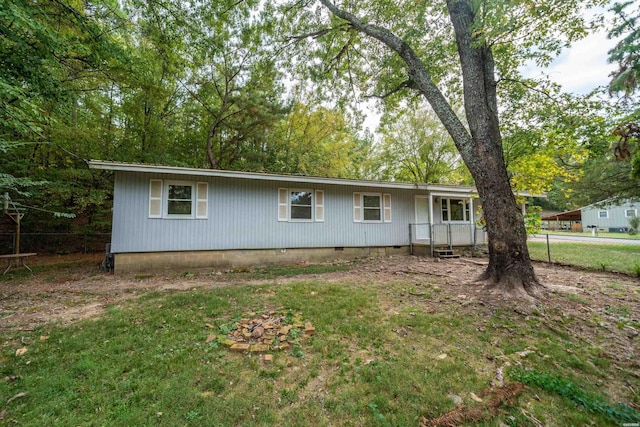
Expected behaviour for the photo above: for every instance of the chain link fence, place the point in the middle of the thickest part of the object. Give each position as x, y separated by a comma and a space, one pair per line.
55, 243
604, 251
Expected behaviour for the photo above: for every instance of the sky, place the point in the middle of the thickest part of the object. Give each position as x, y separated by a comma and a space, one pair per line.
583, 67
578, 69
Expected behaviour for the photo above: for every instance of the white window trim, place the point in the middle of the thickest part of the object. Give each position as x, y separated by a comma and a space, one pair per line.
381, 208
605, 216
286, 206
313, 204
165, 200
465, 209
359, 209
635, 213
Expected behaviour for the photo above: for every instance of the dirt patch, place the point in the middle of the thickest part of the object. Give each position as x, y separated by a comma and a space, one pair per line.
69, 288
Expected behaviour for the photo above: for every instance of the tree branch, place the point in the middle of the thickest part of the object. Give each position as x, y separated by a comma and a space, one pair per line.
417, 73
317, 34
409, 84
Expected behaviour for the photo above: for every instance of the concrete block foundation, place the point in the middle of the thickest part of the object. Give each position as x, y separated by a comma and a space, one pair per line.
141, 262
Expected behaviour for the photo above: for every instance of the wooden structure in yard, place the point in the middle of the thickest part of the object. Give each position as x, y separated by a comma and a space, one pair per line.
15, 214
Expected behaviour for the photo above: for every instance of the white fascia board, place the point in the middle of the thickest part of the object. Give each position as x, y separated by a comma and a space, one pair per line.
129, 167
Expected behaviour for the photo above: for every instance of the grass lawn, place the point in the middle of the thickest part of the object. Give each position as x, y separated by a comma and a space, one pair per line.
588, 234
383, 354
622, 258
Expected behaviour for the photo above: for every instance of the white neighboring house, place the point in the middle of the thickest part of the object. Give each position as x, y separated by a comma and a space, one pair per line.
610, 217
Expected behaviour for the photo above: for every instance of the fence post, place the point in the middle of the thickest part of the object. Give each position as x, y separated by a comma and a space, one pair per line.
548, 249
432, 238
473, 232
410, 240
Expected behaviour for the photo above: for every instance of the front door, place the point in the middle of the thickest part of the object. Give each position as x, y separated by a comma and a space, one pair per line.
422, 218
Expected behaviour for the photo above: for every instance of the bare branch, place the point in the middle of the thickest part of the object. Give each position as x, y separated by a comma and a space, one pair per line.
317, 34
416, 70
531, 87
410, 84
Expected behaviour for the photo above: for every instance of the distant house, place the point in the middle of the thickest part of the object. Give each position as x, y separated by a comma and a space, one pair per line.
609, 216
568, 220
173, 217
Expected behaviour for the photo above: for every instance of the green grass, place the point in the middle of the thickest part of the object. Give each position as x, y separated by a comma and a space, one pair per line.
600, 234
622, 258
274, 271
146, 362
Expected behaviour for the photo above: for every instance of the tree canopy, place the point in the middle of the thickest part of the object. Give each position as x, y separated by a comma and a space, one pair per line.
281, 87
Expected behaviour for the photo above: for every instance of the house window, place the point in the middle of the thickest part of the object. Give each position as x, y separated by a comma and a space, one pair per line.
455, 210
300, 205
630, 213
603, 214
371, 207
178, 199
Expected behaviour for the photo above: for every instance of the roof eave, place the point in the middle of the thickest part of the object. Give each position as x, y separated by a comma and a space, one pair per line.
130, 167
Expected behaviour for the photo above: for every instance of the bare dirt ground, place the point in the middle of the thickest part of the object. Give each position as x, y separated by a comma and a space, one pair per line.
68, 288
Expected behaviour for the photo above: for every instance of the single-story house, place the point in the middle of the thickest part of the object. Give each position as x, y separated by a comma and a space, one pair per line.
608, 216
176, 217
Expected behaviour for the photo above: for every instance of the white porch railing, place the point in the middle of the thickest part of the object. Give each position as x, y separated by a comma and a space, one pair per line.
448, 234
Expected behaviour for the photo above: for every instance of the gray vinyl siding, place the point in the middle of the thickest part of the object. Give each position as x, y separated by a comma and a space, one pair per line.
616, 217
243, 214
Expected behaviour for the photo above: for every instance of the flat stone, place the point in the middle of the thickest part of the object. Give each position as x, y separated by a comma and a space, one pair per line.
246, 335
268, 358
240, 347
457, 400
210, 338
309, 329
228, 343
259, 348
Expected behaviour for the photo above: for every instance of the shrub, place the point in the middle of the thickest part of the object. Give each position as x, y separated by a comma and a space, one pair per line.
634, 222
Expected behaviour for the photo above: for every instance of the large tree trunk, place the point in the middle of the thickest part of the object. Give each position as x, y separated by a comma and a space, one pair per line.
509, 268
509, 263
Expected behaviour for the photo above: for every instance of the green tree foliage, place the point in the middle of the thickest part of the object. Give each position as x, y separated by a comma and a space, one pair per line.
415, 147
49, 53
444, 51
317, 141
188, 84
626, 53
